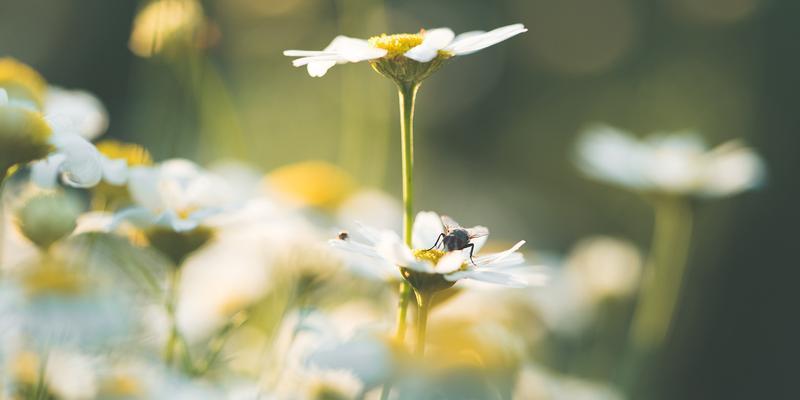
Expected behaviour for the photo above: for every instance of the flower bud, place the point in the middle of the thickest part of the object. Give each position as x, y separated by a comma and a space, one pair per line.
46, 218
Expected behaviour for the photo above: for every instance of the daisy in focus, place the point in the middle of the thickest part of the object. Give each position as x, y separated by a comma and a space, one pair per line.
678, 163
431, 266
403, 56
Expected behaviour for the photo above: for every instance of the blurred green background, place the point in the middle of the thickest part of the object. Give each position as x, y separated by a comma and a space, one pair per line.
494, 130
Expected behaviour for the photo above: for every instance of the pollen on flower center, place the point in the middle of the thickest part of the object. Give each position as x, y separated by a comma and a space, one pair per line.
432, 255
396, 44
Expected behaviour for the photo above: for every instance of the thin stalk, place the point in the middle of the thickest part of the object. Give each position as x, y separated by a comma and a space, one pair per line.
3, 179
172, 340
424, 304
407, 94
660, 289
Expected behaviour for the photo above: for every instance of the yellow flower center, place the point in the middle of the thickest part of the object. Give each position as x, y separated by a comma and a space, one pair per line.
432, 255
396, 44
134, 154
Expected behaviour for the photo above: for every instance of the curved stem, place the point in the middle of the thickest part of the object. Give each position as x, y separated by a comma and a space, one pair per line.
662, 282
424, 304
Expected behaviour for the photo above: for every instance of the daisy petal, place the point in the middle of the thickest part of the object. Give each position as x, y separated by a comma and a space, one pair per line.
115, 171
44, 173
475, 42
82, 166
490, 259
435, 40
451, 262
499, 278
427, 228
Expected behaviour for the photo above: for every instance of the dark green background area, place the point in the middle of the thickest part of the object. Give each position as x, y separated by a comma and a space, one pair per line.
495, 132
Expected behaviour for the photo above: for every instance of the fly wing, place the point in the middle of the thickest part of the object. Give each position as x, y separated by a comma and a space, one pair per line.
477, 232
449, 224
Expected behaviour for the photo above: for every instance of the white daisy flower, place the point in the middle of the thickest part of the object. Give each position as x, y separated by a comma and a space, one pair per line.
428, 265
679, 163
422, 47
76, 117
176, 194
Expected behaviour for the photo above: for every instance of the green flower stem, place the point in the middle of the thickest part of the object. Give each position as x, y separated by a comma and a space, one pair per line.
172, 340
423, 304
407, 93
662, 281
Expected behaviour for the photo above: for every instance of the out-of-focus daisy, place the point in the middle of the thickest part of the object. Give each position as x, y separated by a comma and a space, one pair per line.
24, 134
164, 25
173, 202
431, 269
678, 163
403, 56
76, 111
76, 117
176, 194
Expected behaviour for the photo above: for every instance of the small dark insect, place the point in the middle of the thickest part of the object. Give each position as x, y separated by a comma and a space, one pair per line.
456, 237
343, 235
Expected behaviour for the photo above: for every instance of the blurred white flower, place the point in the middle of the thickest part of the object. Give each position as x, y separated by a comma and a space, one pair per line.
605, 267
371, 207
316, 346
76, 117
422, 47
678, 163
537, 383
75, 111
387, 247
70, 375
219, 281
176, 194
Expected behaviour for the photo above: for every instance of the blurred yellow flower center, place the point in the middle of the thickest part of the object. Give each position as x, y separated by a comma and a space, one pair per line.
396, 44
134, 154
25, 367
22, 80
432, 255
123, 386
51, 278
313, 183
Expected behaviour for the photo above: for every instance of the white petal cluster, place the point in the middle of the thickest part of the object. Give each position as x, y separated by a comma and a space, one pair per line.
678, 163
387, 247
76, 117
177, 194
345, 49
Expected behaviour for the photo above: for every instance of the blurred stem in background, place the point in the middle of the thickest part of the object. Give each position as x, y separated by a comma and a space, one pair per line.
170, 300
3, 177
424, 303
661, 285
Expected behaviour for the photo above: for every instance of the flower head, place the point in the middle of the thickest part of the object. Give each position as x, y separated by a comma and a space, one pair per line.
176, 194
24, 134
429, 268
22, 82
678, 163
404, 57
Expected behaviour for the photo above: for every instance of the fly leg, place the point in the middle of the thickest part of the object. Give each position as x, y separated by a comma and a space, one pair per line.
441, 236
471, 250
